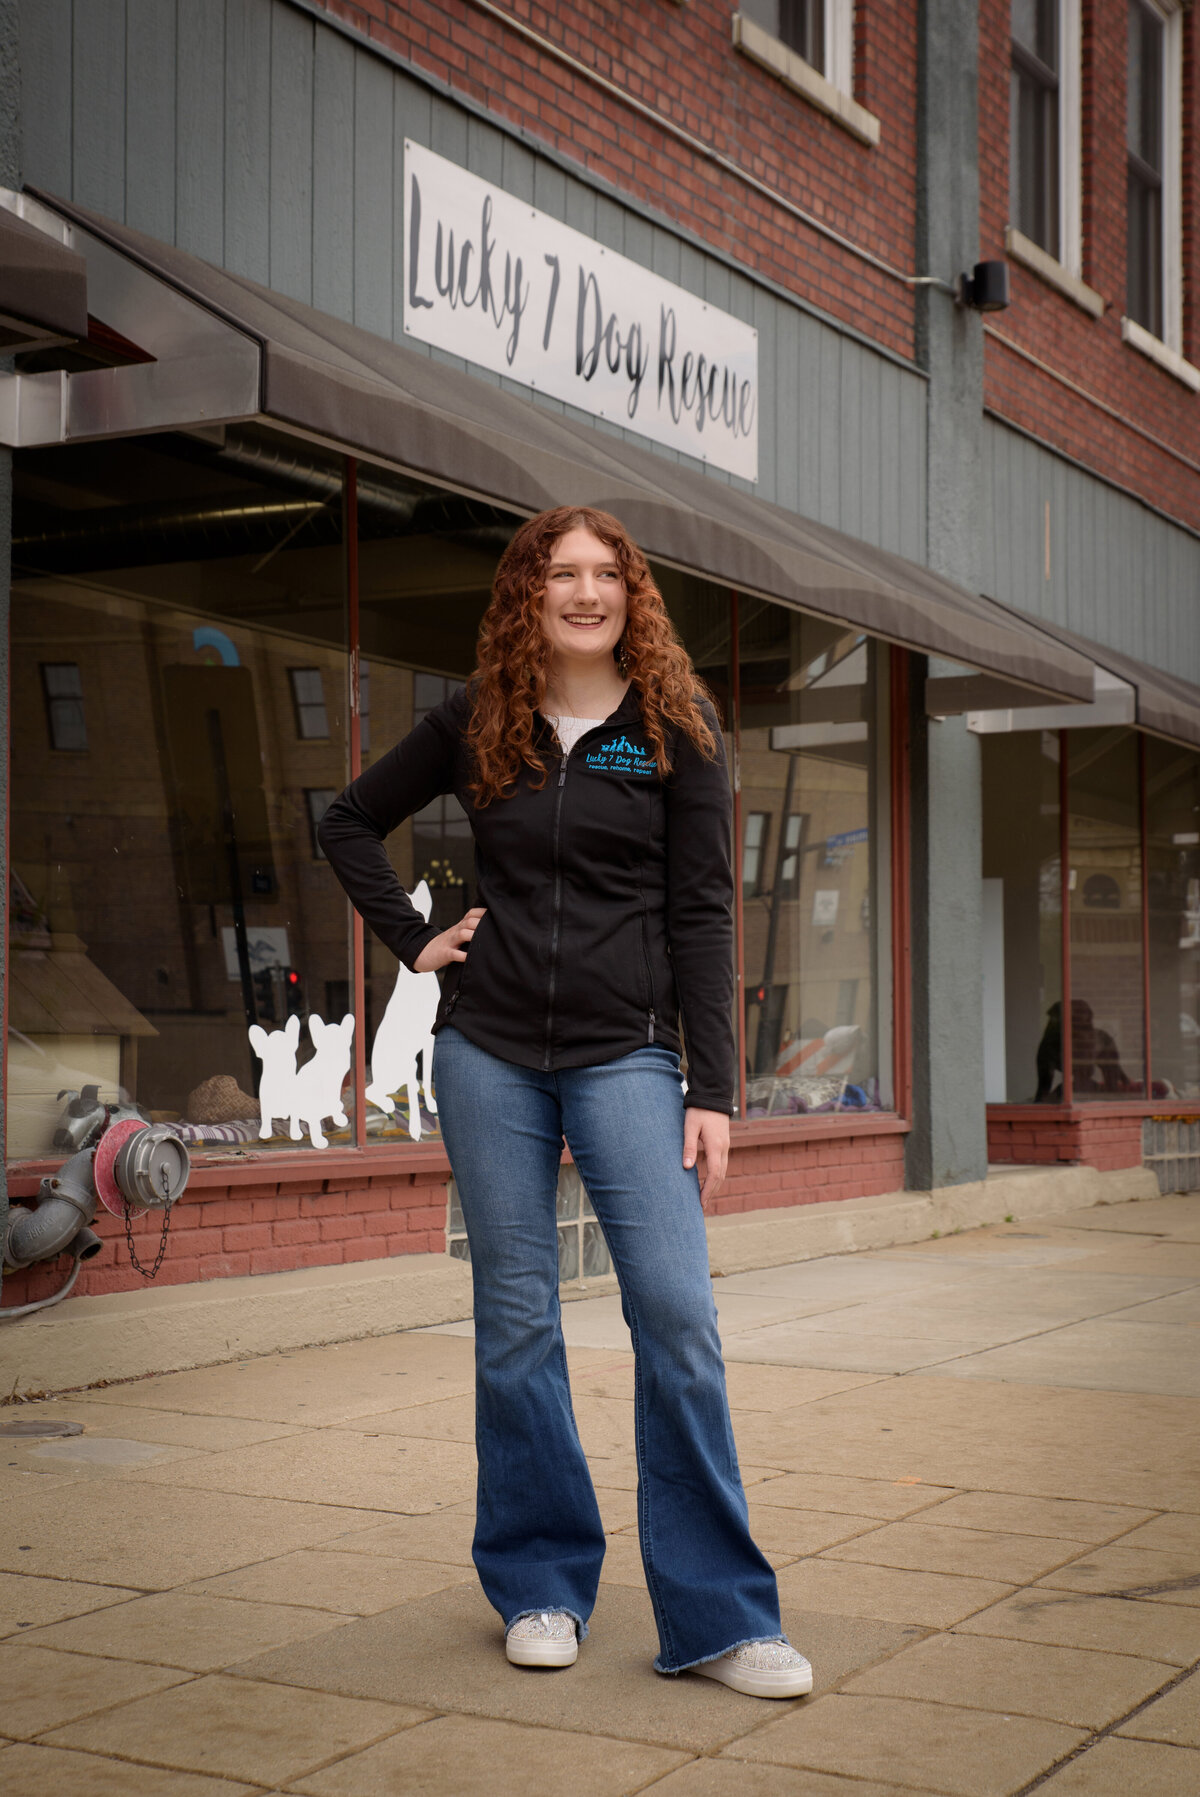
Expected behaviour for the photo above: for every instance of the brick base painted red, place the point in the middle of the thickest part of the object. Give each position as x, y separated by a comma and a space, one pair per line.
1105, 1137
273, 1216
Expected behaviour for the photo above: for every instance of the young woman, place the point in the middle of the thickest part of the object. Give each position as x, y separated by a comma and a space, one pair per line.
590, 765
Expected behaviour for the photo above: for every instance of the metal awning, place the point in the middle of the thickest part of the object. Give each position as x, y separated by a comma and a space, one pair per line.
43, 288
387, 402
1127, 692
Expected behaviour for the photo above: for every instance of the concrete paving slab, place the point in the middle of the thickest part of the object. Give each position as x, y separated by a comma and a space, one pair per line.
932, 1747
27, 1602
932, 1600
32, 1770
851, 1278
444, 1536
1181, 1308
1129, 1768
1177, 1216
864, 1497
1073, 1519
1166, 1632
791, 1532
387, 1473
1148, 1258
1104, 1355
407, 1653
923, 1545
473, 1756
1174, 1718
380, 1374
1172, 1531
40, 1688
321, 1579
170, 1539
728, 1778
107, 1453
801, 1343
267, 1734
136, 1422
1122, 1571
1025, 1678
1098, 1446
175, 1628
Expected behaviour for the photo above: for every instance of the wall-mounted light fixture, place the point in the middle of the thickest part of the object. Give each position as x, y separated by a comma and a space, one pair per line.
985, 289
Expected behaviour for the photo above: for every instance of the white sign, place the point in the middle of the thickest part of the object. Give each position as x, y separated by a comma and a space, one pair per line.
825, 908
489, 278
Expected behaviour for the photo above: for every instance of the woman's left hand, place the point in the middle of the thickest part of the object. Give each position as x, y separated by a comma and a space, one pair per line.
706, 1133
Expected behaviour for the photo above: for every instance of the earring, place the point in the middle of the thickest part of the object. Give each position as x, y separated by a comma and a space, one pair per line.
621, 657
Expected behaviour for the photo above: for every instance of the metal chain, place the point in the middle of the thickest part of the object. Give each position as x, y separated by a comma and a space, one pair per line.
151, 1272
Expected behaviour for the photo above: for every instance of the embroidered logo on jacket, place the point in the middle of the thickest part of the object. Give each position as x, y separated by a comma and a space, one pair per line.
621, 756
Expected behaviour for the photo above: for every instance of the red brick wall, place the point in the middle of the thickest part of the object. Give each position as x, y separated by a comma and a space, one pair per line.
1090, 351
266, 1220
681, 61
1103, 1138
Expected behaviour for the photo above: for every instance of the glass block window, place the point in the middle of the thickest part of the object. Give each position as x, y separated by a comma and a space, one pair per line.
582, 1250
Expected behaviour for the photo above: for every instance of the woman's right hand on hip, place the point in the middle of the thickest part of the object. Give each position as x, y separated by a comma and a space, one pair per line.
451, 945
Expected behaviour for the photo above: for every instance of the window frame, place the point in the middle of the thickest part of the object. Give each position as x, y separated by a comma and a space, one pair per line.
1068, 255
1170, 273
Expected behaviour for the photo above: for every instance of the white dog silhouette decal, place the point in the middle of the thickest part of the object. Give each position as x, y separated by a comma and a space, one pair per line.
277, 1052
406, 1031
317, 1091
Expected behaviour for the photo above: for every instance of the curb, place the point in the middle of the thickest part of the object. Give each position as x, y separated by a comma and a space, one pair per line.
130, 1335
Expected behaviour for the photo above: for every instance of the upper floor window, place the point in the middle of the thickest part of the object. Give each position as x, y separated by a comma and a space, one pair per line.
820, 31
308, 697
1152, 139
1036, 122
63, 692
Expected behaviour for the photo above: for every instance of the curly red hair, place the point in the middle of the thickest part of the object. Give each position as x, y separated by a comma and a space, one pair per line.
509, 682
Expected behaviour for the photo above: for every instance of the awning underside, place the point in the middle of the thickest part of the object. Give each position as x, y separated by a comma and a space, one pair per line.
385, 401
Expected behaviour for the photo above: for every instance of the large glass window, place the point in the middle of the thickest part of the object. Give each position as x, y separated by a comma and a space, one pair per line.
1104, 891
1035, 128
1173, 921
178, 622
811, 762
181, 722
1022, 918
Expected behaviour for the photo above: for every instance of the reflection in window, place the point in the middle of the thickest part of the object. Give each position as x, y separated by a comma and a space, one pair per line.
1022, 918
317, 800
754, 850
164, 894
63, 690
1107, 1007
308, 695
1146, 162
800, 24
1173, 923
1034, 124
810, 754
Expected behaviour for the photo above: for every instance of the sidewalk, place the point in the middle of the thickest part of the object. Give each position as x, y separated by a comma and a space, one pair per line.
975, 1462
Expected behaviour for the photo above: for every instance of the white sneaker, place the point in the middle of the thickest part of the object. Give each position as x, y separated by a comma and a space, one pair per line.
761, 1669
547, 1639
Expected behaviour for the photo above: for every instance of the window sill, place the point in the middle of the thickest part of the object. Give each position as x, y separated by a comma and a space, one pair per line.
1139, 338
1032, 256
803, 79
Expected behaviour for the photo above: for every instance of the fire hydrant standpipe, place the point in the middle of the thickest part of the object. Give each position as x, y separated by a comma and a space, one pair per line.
135, 1167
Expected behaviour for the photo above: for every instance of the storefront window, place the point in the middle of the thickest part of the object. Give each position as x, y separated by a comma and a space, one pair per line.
811, 759
1173, 921
178, 723
1022, 918
1105, 904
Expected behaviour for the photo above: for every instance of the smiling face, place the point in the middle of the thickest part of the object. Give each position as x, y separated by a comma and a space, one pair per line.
583, 612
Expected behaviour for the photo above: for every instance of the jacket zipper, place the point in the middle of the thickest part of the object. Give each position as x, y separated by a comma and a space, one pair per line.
649, 975
556, 918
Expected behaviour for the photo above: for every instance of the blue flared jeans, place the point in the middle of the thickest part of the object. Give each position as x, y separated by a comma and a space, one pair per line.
539, 1541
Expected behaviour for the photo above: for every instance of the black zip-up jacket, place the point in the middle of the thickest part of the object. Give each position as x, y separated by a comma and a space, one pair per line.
608, 894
